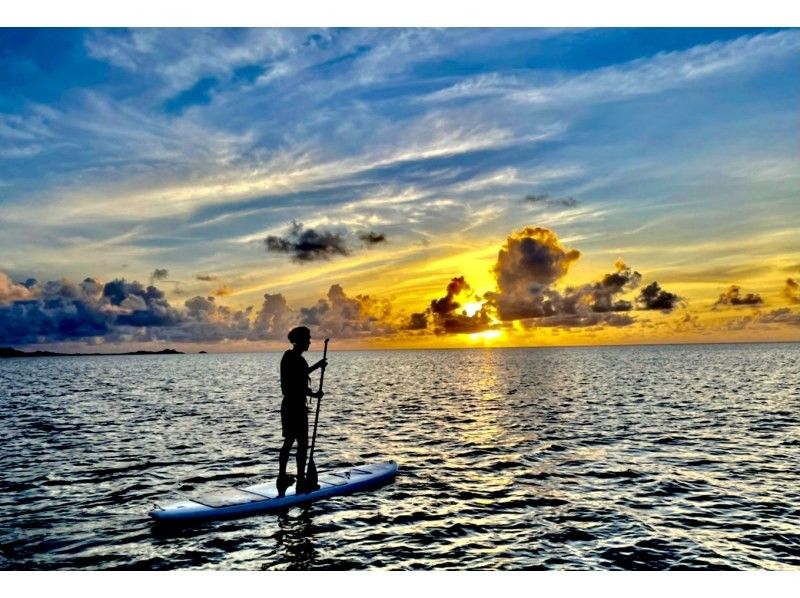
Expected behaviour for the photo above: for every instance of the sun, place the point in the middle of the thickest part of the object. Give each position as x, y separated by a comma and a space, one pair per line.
472, 308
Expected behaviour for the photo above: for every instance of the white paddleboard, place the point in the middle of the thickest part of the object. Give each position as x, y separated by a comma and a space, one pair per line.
263, 498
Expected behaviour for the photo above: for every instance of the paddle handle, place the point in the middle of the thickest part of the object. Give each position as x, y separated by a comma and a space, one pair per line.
316, 417
322, 373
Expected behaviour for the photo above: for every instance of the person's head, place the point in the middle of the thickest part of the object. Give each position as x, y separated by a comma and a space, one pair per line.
300, 337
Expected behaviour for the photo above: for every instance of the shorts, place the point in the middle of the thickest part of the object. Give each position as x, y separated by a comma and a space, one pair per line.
294, 419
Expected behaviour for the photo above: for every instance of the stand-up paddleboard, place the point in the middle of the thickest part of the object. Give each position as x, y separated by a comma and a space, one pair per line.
263, 498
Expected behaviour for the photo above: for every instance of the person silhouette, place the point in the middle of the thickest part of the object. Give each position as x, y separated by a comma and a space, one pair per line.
294, 411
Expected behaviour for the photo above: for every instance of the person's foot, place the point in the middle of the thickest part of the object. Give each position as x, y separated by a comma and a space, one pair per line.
284, 481
304, 487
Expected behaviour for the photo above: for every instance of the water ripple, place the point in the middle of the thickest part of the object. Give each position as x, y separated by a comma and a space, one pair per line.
607, 458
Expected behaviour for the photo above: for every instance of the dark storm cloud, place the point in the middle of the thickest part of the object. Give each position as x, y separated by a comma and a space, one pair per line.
791, 291
733, 296
308, 245
654, 297
159, 274
545, 199
371, 238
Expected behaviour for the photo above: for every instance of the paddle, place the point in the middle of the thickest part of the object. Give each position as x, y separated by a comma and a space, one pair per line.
311, 470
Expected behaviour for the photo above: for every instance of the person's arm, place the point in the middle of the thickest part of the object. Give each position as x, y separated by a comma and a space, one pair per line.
322, 363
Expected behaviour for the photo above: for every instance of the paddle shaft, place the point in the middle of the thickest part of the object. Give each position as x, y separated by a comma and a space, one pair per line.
316, 417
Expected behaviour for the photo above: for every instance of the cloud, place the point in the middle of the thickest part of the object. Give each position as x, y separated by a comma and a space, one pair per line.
654, 297
159, 274
600, 296
143, 307
54, 311
205, 321
349, 317
370, 238
582, 320
308, 245
784, 315
528, 263
545, 199
274, 319
533, 260
223, 291
207, 277
791, 291
417, 321
444, 317
120, 311
12, 291
733, 297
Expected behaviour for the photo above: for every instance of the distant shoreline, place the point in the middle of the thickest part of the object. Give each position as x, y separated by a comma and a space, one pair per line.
9, 352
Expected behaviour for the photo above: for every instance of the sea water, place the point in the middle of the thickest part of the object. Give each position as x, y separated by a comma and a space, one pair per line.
649, 457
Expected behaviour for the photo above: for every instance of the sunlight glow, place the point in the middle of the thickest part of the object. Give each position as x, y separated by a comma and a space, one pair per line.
472, 308
485, 336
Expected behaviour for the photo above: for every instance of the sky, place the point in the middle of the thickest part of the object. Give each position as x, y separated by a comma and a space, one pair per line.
391, 188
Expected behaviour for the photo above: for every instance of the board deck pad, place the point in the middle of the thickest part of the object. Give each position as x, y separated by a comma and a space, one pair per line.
228, 497
261, 498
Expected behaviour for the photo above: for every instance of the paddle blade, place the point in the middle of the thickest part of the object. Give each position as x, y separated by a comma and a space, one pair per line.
311, 475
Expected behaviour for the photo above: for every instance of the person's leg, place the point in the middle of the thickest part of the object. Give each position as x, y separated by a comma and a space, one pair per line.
302, 452
283, 459
284, 480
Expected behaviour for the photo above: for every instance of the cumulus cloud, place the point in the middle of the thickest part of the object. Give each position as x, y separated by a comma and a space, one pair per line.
733, 296
274, 319
791, 291
347, 317
528, 263
54, 311
12, 291
308, 245
205, 321
122, 310
141, 306
600, 296
444, 315
532, 261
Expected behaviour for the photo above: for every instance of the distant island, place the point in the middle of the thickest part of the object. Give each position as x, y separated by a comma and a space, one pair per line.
10, 352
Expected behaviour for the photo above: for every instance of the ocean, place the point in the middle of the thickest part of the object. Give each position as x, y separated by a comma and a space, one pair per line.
646, 458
